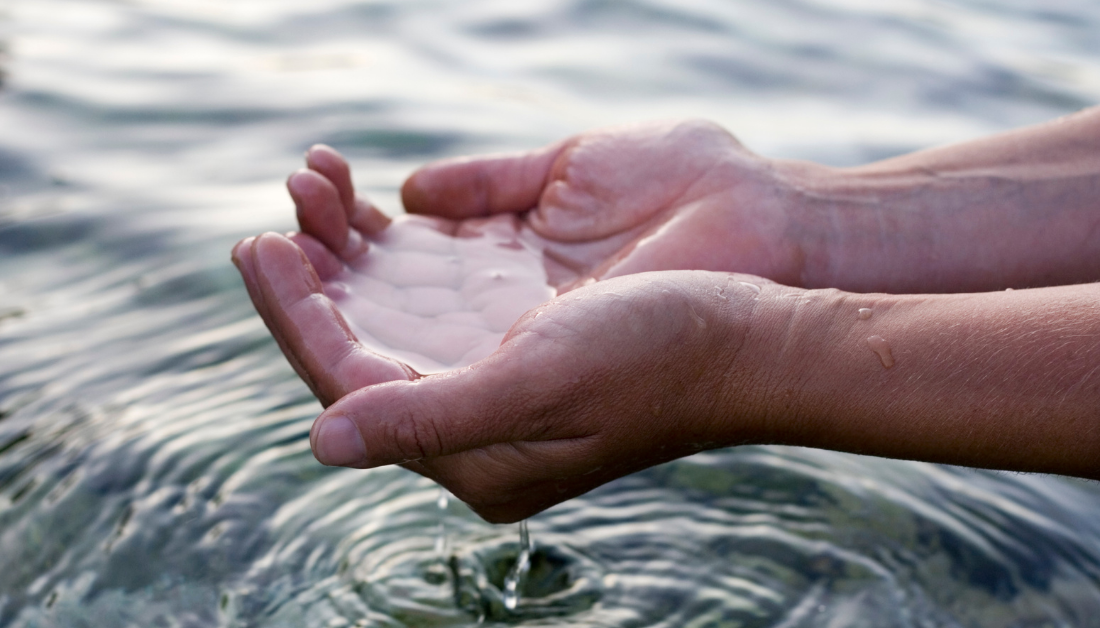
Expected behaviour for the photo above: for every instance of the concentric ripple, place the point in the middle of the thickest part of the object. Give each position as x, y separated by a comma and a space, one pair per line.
154, 462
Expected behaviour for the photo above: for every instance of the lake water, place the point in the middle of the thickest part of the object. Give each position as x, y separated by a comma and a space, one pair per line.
154, 463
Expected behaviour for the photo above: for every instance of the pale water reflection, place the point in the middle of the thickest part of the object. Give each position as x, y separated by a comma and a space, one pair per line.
154, 463
438, 301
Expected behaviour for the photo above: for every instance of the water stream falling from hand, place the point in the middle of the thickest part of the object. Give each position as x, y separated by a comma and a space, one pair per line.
523, 563
441, 536
154, 456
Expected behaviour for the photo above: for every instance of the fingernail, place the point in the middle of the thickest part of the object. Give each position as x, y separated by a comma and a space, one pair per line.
235, 253
339, 443
292, 186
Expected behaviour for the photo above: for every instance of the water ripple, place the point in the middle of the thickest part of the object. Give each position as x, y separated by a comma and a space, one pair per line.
154, 462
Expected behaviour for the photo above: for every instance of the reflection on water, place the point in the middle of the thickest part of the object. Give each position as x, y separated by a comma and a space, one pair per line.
154, 467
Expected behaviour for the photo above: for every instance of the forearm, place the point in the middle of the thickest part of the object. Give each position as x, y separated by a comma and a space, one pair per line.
1007, 380
1020, 209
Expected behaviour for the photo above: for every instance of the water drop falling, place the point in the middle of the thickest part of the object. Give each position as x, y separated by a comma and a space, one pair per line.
441, 540
878, 345
441, 535
523, 563
864, 313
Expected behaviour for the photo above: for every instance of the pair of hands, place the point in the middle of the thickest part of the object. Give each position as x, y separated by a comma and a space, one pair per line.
619, 372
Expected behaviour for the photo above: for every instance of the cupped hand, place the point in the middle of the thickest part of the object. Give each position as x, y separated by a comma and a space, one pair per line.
611, 202
590, 386
586, 387
606, 380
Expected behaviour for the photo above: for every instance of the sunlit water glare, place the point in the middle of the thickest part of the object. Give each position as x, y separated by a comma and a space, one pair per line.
154, 463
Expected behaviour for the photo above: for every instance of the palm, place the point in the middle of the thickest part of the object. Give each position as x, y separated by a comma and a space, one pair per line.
435, 294
431, 293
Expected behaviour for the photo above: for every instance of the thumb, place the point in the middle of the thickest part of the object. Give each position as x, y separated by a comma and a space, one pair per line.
480, 186
490, 402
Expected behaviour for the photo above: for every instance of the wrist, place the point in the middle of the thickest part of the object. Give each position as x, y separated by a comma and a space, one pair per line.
941, 221
975, 379
748, 378
864, 230
796, 377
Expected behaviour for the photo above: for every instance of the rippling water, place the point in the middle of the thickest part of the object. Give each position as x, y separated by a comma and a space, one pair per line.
154, 466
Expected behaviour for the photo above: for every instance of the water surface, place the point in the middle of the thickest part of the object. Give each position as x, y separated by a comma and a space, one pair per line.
154, 463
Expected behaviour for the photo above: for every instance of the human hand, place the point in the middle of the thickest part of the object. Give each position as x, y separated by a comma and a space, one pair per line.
624, 200
585, 388
590, 386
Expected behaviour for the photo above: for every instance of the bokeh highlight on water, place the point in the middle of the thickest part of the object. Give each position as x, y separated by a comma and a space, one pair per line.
154, 467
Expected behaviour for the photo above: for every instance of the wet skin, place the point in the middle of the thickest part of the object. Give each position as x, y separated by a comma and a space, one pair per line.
554, 363
651, 362
438, 300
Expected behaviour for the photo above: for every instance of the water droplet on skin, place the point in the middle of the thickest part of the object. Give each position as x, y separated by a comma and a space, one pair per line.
751, 286
864, 313
879, 346
720, 293
1008, 289
700, 322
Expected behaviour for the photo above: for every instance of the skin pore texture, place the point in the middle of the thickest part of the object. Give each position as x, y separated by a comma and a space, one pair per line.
705, 297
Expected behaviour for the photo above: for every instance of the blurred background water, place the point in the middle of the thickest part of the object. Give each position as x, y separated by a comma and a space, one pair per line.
154, 465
